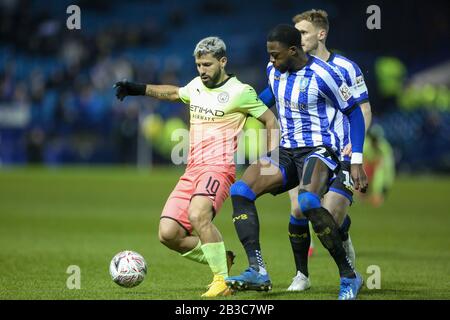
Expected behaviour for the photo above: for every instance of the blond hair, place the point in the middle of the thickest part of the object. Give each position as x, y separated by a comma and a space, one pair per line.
319, 18
213, 45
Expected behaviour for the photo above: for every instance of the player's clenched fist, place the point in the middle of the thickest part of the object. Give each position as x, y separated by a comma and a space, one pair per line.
126, 88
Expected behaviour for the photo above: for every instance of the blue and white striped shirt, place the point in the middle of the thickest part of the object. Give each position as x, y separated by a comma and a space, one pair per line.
354, 79
352, 75
309, 102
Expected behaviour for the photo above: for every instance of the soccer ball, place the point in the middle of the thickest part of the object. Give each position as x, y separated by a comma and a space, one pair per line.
128, 269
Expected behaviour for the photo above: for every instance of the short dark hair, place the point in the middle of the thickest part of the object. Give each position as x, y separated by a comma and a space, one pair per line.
286, 34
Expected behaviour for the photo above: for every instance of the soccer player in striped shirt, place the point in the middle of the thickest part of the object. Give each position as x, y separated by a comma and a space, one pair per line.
219, 105
313, 26
310, 96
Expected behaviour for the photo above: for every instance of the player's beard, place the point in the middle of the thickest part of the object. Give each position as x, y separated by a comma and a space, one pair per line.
212, 81
282, 68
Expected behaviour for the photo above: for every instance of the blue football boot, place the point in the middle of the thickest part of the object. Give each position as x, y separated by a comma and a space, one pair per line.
250, 279
350, 287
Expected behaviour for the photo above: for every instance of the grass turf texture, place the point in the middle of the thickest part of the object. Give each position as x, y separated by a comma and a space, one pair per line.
53, 218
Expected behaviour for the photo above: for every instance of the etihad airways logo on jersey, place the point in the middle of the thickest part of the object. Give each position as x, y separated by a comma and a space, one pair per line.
205, 113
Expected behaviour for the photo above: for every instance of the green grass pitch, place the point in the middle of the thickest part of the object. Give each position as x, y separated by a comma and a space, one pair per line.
53, 218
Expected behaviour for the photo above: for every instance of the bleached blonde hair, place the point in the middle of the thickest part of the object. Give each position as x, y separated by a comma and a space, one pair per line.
213, 45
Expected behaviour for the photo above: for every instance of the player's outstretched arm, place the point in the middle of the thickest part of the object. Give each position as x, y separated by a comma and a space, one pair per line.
164, 92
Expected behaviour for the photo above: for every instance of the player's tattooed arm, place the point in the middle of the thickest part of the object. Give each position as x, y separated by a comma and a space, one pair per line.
163, 92
126, 88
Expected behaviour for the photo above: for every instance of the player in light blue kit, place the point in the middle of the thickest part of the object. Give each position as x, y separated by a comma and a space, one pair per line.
309, 95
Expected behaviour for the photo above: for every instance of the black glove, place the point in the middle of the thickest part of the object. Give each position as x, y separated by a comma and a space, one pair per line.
125, 88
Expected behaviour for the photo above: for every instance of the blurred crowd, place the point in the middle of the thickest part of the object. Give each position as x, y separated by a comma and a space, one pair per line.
61, 82
65, 79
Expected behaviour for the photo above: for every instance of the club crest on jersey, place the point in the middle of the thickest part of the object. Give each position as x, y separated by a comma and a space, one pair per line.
223, 97
304, 84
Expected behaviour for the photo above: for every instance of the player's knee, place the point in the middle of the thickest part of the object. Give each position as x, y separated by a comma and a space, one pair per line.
337, 207
194, 217
297, 213
336, 211
241, 188
339, 214
199, 216
308, 201
168, 237
166, 241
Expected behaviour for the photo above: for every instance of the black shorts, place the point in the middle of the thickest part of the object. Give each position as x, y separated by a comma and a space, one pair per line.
342, 183
291, 161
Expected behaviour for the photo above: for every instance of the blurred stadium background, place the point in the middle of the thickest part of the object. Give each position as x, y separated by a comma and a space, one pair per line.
58, 109
57, 105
